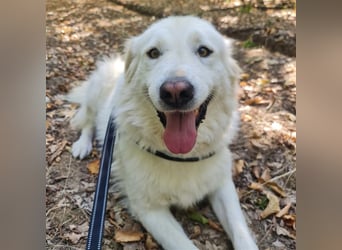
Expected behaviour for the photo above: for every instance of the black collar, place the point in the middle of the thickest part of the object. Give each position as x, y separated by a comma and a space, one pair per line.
179, 159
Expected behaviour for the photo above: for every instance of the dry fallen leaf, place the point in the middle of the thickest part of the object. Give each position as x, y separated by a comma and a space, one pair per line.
275, 164
47, 124
128, 236
244, 76
196, 231
214, 225
272, 206
262, 81
276, 188
94, 166
256, 186
59, 102
253, 101
57, 151
284, 210
256, 101
209, 245
74, 237
266, 175
246, 118
150, 244
49, 106
278, 244
283, 231
256, 143
259, 156
111, 221
256, 171
292, 136
49, 138
243, 84
290, 220
238, 167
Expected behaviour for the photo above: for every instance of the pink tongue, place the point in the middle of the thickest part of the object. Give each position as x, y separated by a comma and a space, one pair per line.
180, 132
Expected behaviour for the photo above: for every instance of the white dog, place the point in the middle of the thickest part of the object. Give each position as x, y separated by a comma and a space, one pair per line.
174, 103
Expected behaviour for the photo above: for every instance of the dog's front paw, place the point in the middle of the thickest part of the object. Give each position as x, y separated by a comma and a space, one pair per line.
82, 147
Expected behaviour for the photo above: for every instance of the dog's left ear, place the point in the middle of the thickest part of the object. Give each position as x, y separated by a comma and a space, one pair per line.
130, 56
232, 67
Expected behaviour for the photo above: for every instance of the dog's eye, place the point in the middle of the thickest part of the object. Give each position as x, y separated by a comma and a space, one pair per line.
204, 51
153, 53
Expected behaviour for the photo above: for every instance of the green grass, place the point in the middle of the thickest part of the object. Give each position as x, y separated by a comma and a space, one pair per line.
262, 202
246, 8
249, 44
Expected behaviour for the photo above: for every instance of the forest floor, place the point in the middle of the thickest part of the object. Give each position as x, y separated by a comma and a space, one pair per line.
80, 32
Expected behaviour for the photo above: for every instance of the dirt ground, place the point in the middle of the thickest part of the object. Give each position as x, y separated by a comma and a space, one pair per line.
79, 32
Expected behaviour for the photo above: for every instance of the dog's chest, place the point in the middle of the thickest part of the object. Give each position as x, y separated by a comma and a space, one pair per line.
180, 188
152, 181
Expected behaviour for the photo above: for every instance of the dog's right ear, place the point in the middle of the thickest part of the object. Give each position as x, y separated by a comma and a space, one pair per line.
130, 58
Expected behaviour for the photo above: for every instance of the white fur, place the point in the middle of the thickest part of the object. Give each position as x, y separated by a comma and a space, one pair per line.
151, 183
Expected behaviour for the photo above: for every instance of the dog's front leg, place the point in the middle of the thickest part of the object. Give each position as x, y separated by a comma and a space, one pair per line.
165, 229
226, 205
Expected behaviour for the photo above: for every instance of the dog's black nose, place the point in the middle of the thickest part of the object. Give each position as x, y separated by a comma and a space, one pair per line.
176, 92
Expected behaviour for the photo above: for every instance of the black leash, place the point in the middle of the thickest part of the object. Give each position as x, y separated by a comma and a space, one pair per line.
95, 232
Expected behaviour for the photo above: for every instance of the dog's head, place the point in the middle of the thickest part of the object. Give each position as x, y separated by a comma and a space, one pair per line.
184, 68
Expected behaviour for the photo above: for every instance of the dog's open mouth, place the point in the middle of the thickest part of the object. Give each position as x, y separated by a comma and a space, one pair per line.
181, 128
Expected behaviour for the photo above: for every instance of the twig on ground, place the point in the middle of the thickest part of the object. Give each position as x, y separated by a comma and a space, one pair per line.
271, 180
267, 233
